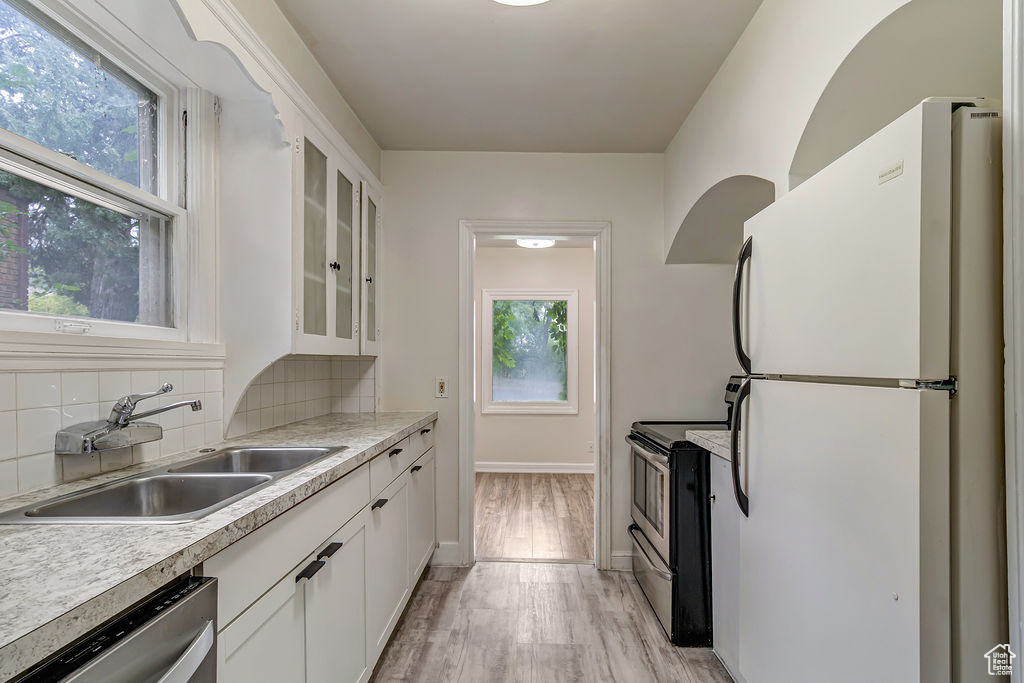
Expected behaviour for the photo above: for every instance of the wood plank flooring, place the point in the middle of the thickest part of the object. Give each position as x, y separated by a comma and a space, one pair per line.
522, 516
535, 623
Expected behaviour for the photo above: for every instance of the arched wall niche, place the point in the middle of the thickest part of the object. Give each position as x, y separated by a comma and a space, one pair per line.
712, 231
927, 48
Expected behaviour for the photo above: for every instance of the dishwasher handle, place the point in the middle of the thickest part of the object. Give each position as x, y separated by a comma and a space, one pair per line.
190, 660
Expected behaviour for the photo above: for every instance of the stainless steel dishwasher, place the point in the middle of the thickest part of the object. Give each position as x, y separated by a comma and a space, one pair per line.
170, 637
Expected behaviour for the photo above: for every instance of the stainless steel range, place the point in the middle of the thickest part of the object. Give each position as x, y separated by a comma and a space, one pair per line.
671, 529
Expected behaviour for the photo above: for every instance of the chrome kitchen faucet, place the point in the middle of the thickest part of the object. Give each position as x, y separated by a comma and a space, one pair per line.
120, 430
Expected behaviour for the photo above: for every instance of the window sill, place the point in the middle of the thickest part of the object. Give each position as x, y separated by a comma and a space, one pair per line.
56, 351
529, 409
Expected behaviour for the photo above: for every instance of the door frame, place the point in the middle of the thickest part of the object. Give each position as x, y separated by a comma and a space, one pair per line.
1013, 319
469, 230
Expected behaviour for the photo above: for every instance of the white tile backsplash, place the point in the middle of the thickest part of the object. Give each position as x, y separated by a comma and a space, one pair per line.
34, 405
38, 389
298, 387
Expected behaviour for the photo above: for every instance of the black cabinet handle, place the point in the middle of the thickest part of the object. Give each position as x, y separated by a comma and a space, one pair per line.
328, 551
417, 468
424, 431
369, 280
379, 503
335, 265
309, 570
395, 452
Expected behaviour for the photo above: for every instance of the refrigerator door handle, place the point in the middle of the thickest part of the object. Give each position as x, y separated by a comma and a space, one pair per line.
737, 292
734, 448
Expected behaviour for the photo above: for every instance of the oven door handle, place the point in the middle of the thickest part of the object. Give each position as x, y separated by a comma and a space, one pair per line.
656, 459
632, 529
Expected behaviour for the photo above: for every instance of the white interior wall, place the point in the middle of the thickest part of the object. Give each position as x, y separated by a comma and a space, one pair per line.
670, 347
270, 24
541, 442
752, 117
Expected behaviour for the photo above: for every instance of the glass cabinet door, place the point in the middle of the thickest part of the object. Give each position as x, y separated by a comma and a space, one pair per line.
370, 314
314, 222
345, 302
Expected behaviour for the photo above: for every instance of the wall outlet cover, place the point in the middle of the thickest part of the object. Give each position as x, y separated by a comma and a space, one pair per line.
440, 387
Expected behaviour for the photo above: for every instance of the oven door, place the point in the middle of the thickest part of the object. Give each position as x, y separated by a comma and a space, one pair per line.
650, 498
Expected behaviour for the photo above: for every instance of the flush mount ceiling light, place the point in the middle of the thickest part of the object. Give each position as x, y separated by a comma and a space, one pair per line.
521, 3
534, 243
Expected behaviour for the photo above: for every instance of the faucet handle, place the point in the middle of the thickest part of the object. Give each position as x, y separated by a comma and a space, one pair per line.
123, 409
164, 388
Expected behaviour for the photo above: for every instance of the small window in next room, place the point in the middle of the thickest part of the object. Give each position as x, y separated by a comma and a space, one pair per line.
86, 228
530, 351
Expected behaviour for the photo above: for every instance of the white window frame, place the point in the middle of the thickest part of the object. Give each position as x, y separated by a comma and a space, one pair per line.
29, 159
568, 407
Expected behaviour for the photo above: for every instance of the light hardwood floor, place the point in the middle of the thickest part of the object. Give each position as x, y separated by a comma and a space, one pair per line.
523, 516
533, 622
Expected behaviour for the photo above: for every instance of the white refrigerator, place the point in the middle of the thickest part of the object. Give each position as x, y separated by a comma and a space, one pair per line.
872, 546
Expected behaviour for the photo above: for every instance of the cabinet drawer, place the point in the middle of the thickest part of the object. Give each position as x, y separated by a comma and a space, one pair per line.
422, 439
257, 561
386, 467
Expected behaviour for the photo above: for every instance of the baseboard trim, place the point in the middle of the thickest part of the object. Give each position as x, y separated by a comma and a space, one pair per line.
622, 560
446, 555
537, 467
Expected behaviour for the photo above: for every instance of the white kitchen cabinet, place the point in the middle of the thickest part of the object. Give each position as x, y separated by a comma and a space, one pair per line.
336, 608
267, 642
421, 514
327, 216
387, 558
725, 564
371, 289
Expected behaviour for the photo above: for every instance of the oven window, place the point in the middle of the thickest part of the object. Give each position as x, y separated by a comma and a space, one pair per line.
639, 483
655, 493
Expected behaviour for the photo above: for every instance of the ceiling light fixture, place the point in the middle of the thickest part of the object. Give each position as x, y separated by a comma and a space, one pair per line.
521, 3
535, 244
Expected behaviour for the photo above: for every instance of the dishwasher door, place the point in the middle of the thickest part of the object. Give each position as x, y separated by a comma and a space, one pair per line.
169, 638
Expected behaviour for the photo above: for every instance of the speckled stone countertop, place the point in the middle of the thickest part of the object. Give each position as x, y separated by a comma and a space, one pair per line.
717, 442
58, 581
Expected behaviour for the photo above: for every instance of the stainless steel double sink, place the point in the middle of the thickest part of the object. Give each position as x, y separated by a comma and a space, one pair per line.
170, 495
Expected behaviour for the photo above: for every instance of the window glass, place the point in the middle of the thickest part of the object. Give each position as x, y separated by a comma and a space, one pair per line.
529, 355
63, 255
58, 92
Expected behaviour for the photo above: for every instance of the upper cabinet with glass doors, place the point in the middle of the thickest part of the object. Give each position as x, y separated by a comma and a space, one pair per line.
331, 244
370, 343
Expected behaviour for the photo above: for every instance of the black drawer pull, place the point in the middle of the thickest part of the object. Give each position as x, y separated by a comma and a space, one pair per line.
379, 503
395, 452
328, 551
310, 569
424, 431
417, 468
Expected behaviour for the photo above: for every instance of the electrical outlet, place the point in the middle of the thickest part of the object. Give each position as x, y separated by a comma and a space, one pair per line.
590, 447
440, 387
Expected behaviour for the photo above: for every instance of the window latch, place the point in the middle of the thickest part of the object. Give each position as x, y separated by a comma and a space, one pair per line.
72, 326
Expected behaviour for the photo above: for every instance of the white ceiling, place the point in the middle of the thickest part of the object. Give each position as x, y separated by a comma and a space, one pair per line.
565, 76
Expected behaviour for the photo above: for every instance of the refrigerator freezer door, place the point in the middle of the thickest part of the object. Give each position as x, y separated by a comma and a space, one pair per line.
849, 275
844, 559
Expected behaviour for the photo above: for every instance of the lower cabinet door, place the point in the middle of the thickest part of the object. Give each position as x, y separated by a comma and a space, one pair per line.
336, 608
267, 641
421, 514
387, 563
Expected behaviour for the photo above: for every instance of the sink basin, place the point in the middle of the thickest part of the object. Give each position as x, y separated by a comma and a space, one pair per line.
256, 460
153, 498
171, 495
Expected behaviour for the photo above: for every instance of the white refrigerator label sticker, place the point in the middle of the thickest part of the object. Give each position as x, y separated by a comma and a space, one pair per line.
890, 172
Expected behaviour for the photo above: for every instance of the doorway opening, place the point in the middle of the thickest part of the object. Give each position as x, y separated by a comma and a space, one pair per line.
534, 379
